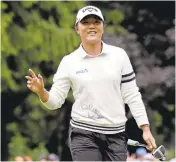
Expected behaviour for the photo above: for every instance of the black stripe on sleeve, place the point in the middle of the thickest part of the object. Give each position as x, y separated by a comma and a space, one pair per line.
127, 74
128, 80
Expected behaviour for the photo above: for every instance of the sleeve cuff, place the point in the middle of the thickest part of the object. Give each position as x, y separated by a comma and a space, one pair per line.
49, 104
142, 121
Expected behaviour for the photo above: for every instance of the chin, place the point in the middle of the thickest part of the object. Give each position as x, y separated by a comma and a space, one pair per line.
93, 40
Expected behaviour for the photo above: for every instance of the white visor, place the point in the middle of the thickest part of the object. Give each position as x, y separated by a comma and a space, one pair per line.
88, 10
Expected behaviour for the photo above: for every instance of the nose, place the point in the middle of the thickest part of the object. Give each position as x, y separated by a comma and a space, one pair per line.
92, 25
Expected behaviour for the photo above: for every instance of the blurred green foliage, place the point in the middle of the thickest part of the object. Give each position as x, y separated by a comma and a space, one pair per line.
33, 32
170, 153
20, 145
158, 119
113, 19
36, 33
116, 17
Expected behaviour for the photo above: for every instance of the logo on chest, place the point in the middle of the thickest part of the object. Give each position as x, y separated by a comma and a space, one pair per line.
82, 71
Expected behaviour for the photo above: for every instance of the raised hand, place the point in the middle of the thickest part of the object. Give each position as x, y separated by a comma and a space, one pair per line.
35, 83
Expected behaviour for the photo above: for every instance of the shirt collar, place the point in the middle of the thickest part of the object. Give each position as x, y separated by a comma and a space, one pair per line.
84, 54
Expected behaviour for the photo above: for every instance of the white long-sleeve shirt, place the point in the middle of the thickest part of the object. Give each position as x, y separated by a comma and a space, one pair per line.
101, 86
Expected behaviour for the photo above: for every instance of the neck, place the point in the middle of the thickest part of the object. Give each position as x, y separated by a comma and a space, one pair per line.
92, 49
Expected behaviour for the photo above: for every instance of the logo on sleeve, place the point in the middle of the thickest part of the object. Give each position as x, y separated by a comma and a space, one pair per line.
82, 71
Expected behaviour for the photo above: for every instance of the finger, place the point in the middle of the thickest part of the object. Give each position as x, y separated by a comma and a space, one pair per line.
151, 141
148, 148
29, 86
28, 82
34, 80
32, 73
40, 77
153, 144
28, 78
149, 145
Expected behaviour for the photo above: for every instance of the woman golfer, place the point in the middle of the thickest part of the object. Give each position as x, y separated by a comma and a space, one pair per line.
102, 80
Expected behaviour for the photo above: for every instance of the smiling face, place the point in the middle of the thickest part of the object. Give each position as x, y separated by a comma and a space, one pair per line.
90, 29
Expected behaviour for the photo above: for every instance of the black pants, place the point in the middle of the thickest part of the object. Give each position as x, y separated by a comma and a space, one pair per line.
91, 146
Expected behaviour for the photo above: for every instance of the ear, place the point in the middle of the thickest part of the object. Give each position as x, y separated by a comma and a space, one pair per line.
104, 26
76, 29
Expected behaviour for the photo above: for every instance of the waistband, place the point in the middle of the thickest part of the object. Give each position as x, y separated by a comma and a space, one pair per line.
96, 128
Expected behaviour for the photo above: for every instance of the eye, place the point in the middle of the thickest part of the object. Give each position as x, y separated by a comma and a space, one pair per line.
84, 22
98, 22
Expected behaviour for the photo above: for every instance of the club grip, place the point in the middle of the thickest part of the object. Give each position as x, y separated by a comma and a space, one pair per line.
132, 143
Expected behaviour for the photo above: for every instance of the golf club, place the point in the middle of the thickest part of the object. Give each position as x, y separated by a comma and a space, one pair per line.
159, 153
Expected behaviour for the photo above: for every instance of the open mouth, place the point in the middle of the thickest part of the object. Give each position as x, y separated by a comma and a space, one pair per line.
92, 32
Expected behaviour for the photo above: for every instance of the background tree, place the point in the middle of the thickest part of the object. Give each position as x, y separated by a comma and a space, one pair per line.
37, 34
34, 35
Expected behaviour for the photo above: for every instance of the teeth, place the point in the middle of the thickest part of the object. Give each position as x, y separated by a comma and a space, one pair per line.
92, 32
